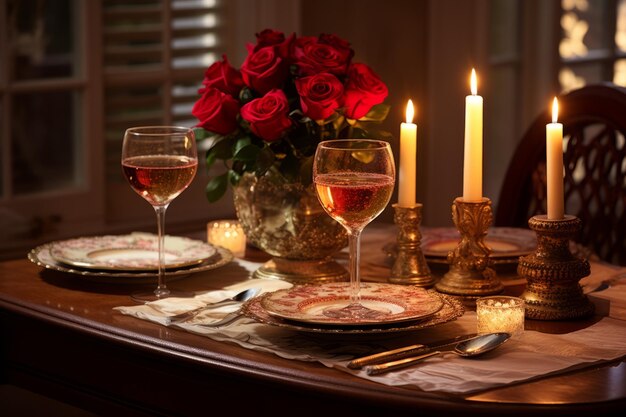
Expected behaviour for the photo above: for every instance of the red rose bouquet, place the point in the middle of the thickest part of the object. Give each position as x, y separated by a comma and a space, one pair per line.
289, 94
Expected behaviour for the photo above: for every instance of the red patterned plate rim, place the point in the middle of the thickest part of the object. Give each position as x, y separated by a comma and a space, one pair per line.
306, 303
451, 310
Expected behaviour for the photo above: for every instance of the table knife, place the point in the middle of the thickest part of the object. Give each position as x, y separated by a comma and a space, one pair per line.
403, 352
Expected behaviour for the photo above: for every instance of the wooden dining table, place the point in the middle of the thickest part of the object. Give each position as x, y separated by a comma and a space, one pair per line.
60, 337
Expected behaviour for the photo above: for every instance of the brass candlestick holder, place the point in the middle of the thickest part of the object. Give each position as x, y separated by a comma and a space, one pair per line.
469, 274
410, 266
552, 272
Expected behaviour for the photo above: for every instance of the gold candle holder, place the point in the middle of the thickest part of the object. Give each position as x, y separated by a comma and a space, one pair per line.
410, 266
469, 274
552, 272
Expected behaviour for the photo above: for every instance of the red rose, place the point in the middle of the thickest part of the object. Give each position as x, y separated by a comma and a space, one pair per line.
264, 69
330, 54
363, 90
269, 37
268, 115
216, 111
337, 42
320, 95
224, 77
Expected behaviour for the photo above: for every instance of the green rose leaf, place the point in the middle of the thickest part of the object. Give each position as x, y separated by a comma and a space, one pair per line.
248, 153
240, 143
201, 133
222, 148
233, 177
216, 187
211, 157
265, 160
377, 113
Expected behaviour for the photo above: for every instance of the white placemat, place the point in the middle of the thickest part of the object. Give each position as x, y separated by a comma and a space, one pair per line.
530, 356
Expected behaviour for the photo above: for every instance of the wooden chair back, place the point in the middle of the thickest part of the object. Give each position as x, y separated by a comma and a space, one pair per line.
594, 130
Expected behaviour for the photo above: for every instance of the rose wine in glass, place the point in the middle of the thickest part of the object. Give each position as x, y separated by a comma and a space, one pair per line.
159, 163
354, 179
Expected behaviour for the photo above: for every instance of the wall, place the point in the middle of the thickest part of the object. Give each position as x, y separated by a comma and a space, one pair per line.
423, 50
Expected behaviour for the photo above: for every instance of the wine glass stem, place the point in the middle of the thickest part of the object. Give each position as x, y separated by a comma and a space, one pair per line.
354, 239
161, 290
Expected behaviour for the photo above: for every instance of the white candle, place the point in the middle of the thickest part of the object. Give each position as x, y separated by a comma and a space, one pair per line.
473, 163
227, 234
554, 165
408, 154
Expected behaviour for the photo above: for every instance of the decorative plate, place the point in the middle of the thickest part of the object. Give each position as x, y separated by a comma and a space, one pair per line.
41, 256
308, 303
451, 310
133, 252
507, 244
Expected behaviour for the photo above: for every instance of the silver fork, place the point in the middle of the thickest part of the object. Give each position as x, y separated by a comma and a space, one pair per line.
237, 298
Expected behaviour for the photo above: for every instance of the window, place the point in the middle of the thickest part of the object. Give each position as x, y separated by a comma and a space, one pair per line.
73, 76
154, 56
593, 44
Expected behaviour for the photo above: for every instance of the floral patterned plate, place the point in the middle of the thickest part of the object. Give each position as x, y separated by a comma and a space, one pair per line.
307, 303
132, 252
41, 256
507, 244
451, 310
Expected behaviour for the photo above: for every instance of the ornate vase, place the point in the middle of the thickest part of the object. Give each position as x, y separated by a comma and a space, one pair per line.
286, 220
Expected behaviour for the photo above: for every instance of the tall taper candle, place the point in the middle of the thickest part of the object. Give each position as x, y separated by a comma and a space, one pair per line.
473, 163
408, 154
554, 165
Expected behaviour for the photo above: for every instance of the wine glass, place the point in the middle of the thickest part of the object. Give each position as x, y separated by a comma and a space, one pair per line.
159, 162
354, 179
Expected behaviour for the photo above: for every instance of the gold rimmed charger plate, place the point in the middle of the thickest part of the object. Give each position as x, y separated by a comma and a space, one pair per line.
451, 310
40, 256
130, 252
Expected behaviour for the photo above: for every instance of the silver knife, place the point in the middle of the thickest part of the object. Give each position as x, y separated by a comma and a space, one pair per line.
403, 352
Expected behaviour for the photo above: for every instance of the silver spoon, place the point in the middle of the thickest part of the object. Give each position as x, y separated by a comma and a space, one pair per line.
240, 297
467, 349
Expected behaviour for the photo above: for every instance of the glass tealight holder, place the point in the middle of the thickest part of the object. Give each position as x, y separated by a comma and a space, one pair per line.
500, 314
227, 234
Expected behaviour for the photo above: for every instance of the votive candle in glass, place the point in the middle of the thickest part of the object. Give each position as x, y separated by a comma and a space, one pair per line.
500, 314
227, 234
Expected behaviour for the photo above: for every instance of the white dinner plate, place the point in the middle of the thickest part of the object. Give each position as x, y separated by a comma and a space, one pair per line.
41, 256
309, 303
131, 252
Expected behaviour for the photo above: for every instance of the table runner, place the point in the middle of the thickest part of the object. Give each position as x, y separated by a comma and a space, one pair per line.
530, 356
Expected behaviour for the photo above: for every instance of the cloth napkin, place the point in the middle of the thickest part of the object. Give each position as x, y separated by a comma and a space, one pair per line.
161, 310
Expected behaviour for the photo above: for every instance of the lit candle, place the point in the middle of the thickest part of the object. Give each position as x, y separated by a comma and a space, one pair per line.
227, 234
500, 314
554, 165
408, 153
473, 164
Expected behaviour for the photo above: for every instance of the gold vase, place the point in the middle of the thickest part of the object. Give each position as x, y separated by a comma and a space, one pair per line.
286, 220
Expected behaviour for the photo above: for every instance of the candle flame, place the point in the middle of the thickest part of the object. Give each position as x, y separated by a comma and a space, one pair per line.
555, 110
410, 112
473, 83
